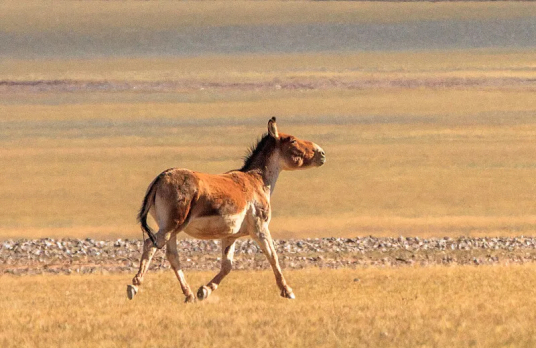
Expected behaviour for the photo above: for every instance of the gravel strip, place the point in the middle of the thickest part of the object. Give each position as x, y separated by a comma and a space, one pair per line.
295, 83
66, 256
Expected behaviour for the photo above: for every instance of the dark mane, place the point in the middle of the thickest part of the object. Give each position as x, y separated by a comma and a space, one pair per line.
255, 150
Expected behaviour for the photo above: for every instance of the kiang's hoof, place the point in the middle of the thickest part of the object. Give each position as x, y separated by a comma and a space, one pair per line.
288, 294
190, 299
131, 291
203, 293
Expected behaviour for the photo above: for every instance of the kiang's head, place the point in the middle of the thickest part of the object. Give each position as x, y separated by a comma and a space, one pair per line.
295, 153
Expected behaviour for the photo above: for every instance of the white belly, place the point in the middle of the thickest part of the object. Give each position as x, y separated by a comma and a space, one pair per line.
215, 227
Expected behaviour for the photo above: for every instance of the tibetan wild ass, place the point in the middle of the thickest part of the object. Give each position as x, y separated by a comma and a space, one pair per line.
226, 207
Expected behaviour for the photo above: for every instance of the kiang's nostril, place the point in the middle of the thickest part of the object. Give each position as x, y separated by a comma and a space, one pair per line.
322, 156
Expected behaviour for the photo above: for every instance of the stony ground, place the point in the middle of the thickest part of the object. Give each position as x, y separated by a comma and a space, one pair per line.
38, 256
295, 83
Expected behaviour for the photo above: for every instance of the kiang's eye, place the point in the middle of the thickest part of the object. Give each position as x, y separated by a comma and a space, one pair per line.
293, 141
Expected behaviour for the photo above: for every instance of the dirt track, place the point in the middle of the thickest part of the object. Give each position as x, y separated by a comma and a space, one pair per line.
66, 256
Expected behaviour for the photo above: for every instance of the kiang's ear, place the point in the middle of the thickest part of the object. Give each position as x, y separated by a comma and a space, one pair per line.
272, 128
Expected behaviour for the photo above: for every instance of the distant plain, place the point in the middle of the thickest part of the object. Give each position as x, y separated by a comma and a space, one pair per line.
427, 142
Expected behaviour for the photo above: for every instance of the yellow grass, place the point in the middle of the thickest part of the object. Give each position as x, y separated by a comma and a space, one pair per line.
476, 63
426, 105
418, 163
487, 306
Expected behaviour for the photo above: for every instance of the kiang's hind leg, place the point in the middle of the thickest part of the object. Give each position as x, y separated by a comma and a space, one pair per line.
170, 210
148, 252
173, 257
227, 247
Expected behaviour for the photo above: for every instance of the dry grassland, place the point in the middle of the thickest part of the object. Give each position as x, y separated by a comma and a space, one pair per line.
413, 161
462, 64
404, 307
430, 155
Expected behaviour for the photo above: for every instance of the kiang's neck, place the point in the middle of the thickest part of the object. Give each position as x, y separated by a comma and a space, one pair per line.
268, 168
271, 171
264, 161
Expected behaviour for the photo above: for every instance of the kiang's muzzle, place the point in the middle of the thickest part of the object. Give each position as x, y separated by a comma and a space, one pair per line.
320, 156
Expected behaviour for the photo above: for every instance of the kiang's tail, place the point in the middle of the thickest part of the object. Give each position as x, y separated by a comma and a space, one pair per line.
148, 202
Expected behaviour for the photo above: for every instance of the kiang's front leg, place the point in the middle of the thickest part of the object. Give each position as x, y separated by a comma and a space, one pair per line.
227, 247
263, 237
